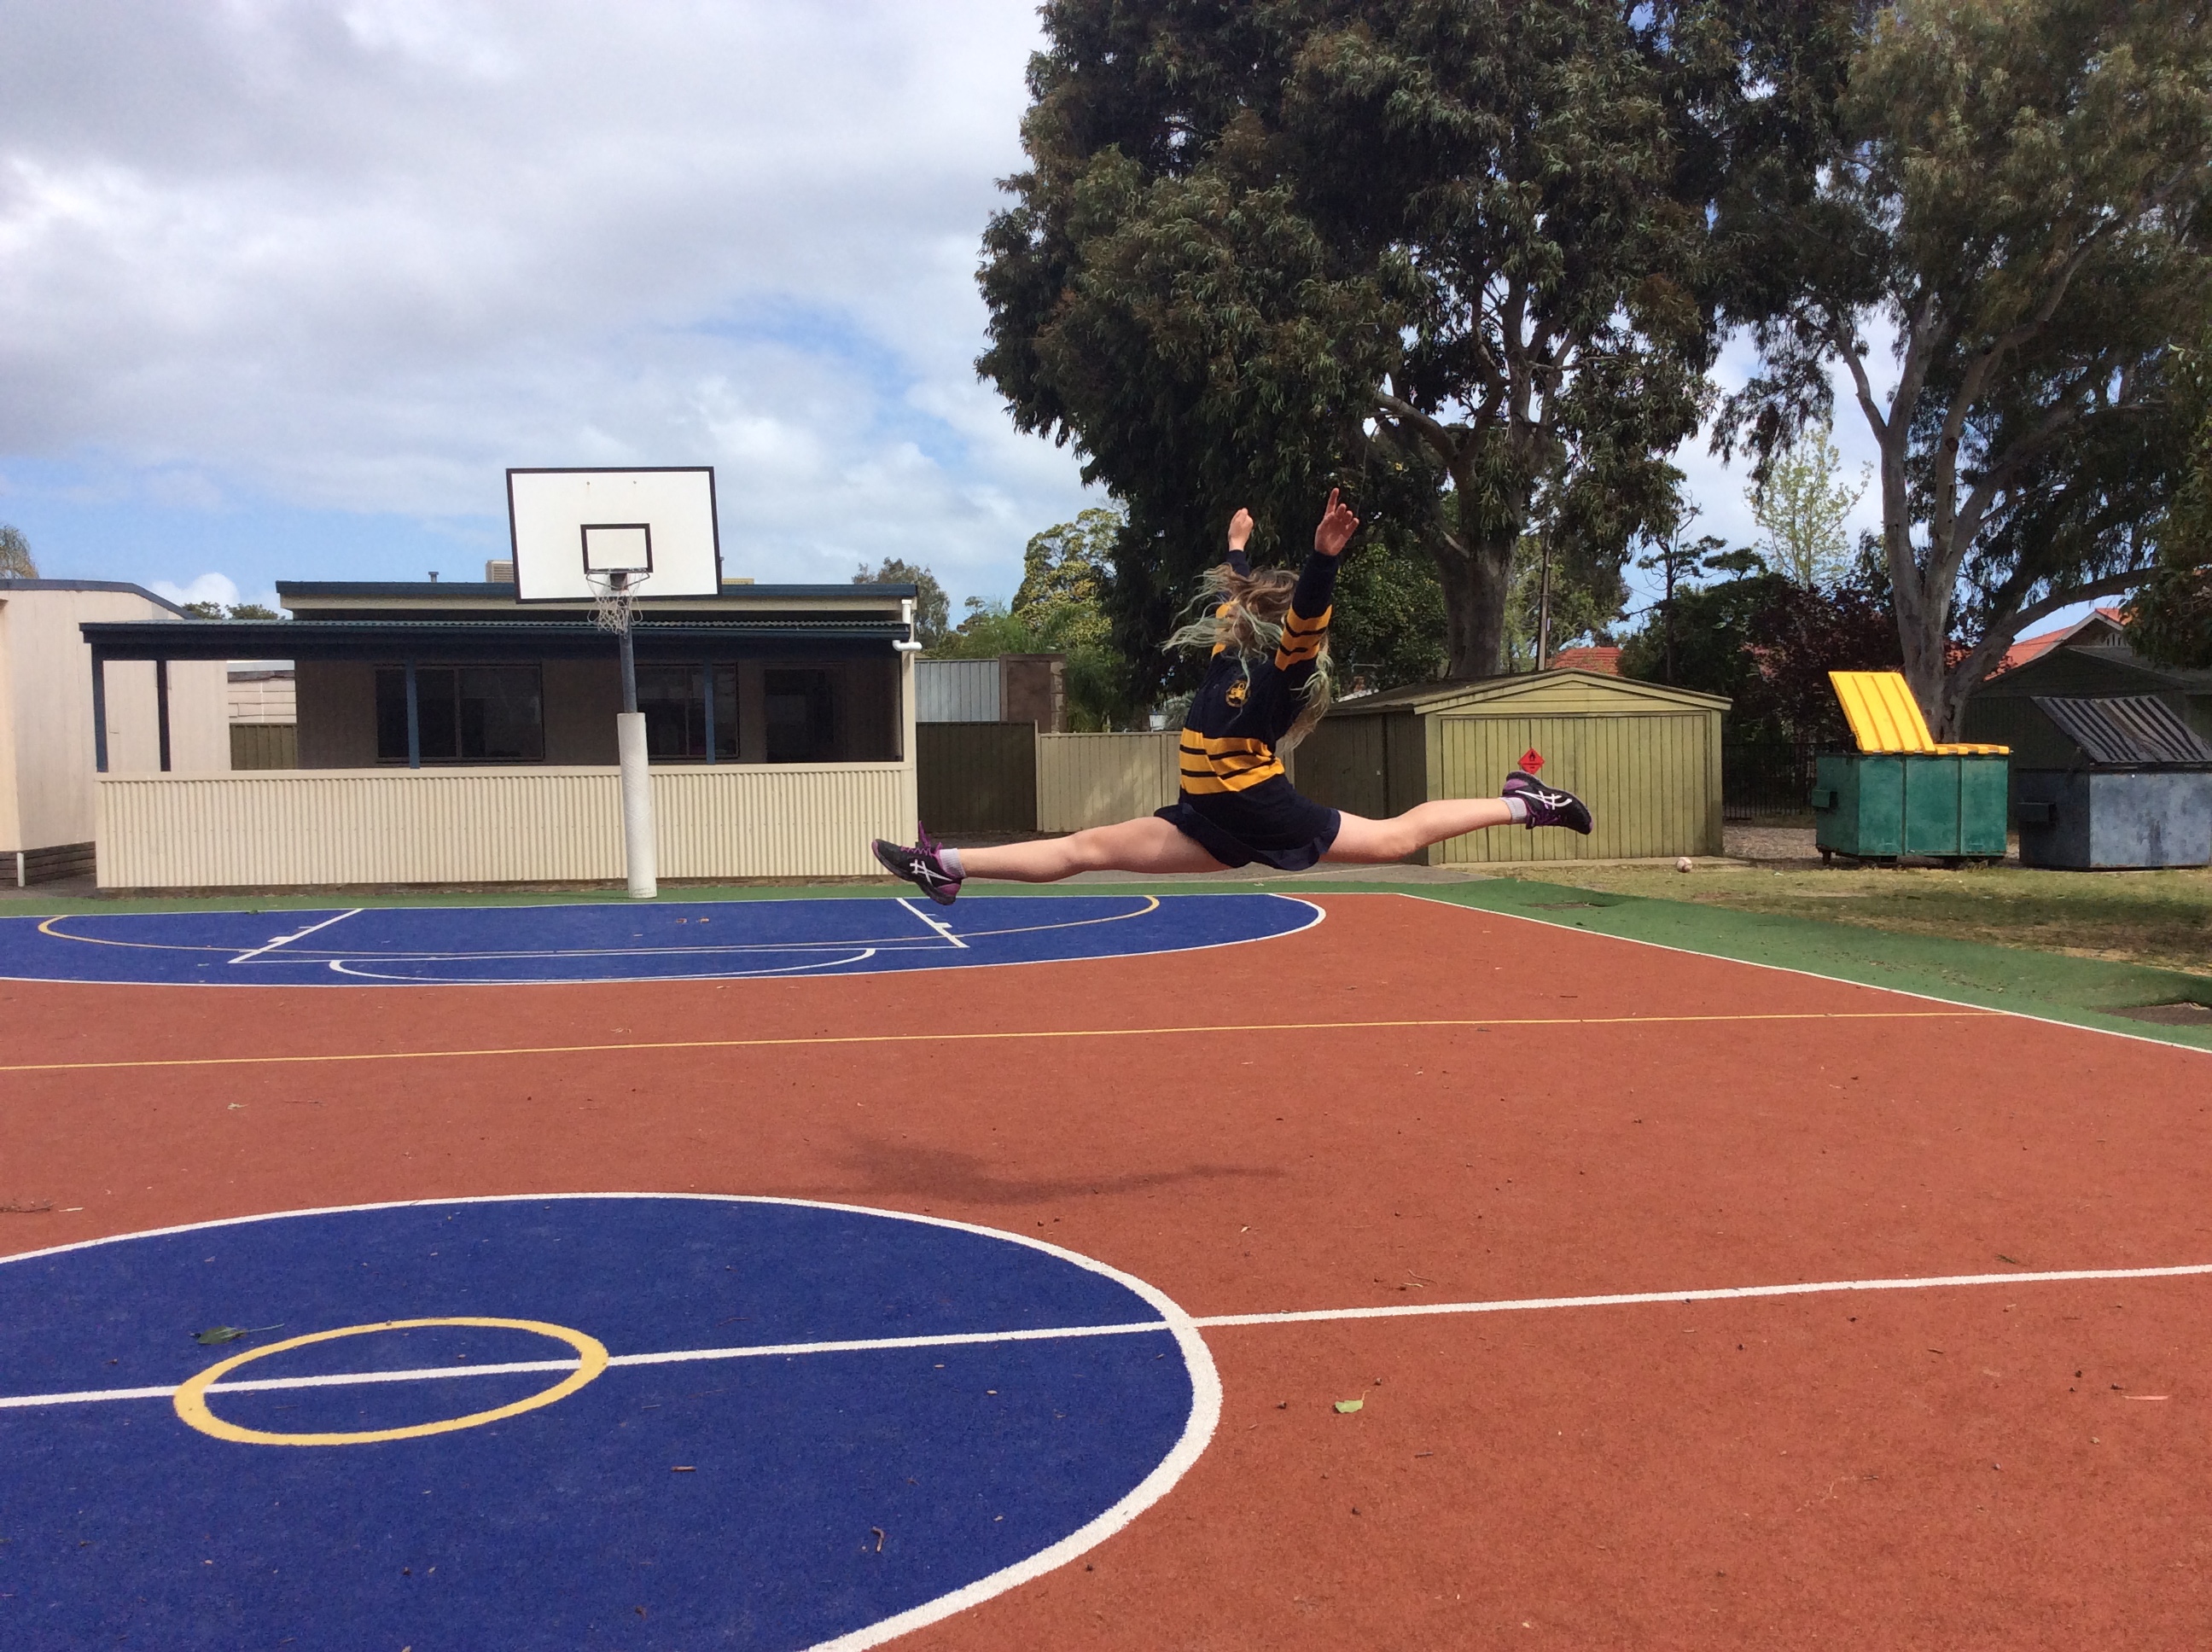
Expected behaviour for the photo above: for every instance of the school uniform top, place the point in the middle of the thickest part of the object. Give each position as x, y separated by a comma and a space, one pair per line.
1236, 800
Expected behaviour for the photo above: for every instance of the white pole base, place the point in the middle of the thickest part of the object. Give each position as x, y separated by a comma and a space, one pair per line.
636, 806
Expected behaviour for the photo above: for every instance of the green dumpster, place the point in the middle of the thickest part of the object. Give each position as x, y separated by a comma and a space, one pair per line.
1878, 806
1900, 792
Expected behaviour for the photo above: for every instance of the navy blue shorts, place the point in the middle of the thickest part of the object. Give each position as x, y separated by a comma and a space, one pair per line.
1272, 824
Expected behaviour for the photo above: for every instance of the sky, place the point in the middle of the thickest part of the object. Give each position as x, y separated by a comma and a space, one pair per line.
286, 285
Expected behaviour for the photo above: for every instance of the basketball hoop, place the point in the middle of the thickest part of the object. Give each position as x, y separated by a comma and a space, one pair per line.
612, 598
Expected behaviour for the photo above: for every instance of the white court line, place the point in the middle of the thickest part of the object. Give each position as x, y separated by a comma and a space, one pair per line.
937, 924
283, 940
1205, 1321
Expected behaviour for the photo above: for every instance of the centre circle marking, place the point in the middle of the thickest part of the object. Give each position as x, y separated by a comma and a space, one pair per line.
191, 1396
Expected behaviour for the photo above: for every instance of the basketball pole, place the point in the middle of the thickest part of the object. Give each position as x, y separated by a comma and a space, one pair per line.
636, 778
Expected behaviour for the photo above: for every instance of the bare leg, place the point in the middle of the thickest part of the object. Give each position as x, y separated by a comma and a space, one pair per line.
1365, 841
1148, 845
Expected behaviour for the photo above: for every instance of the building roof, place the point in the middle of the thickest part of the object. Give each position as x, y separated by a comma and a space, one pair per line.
1605, 659
454, 592
2105, 627
1535, 688
560, 636
9, 585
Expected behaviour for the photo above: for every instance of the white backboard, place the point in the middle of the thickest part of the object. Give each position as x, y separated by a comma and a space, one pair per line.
656, 525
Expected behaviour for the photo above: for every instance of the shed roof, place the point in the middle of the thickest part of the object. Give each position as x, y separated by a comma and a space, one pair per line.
2131, 730
1531, 694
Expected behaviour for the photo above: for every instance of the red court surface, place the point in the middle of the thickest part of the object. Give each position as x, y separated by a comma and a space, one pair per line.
1411, 1104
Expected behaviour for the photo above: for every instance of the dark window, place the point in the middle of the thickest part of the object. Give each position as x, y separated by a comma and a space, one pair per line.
801, 717
672, 699
462, 714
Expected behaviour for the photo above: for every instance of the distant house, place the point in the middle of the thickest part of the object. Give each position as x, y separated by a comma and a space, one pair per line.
1604, 660
60, 724
1008, 688
2088, 660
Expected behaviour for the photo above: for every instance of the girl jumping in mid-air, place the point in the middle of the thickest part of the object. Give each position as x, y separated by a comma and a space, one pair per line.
1266, 686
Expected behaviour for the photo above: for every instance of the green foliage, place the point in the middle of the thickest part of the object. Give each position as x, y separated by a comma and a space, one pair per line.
1802, 503
1768, 644
2171, 620
1059, 608
2017, 191
1586, 603
933, 611
243, 610
1387, 629
15, 562
1443, 253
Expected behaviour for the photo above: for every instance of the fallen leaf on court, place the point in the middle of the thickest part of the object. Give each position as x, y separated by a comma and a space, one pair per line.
1345, 1407
215, 1334
26, 1210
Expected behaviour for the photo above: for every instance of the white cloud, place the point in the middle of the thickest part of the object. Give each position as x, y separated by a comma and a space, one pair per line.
209, 587
360, 257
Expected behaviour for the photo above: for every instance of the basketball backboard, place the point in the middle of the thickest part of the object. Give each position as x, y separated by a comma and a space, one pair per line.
572, 529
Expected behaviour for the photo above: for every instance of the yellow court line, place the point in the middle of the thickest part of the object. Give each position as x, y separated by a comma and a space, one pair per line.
984, 1037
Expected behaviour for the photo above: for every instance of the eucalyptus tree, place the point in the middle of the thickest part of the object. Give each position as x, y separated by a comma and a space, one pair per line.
1445, 253
2013, 201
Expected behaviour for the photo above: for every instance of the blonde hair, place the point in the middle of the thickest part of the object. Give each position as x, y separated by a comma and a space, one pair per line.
1244, 613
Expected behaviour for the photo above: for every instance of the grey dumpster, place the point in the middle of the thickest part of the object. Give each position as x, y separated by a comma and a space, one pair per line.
2139, 794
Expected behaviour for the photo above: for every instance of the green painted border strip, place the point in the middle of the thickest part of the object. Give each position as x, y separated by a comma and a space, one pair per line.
2077, 992
2048, 985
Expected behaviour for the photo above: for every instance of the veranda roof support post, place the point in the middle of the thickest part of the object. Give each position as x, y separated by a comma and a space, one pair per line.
706, 682
99, 711
162, 707
414, 722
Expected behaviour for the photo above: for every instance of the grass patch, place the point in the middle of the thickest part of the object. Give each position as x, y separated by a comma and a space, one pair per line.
2159, 919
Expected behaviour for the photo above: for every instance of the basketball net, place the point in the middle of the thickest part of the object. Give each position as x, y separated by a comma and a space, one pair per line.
613, 594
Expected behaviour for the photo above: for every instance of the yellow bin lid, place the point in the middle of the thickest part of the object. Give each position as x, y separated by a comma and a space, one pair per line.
1885, 717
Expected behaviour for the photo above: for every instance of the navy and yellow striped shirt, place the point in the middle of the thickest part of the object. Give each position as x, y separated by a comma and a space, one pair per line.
1244, 707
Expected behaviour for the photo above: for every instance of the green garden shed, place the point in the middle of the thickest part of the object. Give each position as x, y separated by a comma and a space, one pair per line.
1645, 757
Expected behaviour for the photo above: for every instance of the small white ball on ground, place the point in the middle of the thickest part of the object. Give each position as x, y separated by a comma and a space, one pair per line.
1684, 865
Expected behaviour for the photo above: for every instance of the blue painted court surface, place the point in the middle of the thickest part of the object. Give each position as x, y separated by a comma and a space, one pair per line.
804, 1424
604, 941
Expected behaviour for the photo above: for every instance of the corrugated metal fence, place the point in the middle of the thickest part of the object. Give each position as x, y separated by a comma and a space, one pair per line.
284, 828
956, 691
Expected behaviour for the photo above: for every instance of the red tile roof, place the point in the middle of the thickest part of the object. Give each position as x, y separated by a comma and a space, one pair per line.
2034, 647
1607, 660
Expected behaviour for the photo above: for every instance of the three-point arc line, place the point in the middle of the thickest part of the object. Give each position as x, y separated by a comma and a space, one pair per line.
828, 1041
1201, 1322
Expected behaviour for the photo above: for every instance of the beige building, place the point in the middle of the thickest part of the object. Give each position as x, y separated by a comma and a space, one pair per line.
156, 717
447, 734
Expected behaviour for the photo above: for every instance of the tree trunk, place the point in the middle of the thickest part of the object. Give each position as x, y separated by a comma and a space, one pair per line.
1475, 581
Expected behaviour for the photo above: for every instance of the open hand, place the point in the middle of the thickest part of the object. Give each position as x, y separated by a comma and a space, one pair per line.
1240, 529
1337, 525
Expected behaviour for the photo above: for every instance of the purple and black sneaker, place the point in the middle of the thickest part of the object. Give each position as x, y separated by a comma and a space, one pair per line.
923, 866
1547, 806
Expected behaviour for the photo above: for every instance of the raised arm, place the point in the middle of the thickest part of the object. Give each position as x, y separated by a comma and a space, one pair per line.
1239, 535
1307, 623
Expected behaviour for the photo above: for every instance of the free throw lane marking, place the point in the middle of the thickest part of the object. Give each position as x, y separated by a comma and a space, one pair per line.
209, 1381
987, 1037
281, 940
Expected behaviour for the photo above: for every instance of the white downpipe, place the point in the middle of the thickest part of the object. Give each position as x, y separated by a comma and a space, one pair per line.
636, 806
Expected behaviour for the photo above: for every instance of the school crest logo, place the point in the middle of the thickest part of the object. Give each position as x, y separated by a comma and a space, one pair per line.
1239, 692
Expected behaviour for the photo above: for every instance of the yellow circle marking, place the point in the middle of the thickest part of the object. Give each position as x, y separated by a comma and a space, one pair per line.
192, 1407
